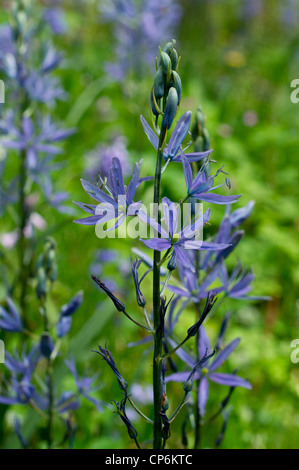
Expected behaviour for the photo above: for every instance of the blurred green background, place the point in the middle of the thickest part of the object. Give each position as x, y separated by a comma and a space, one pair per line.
239, 69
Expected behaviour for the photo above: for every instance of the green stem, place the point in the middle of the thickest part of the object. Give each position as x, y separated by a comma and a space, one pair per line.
51, 403
22, 243
148, 420
158, 340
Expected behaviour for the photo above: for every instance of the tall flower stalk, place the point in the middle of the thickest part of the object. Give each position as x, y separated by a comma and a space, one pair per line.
193, 270
27, 61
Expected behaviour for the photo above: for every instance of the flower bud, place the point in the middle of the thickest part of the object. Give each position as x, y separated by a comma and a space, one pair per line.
199, 144
176, 83
163, 62
159, 84
41, 288
46, 345
170, 108
174, 59
153, 106
172, 262
168, 46
206, 139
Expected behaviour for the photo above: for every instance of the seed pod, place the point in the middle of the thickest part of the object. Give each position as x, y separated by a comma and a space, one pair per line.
176, 83
170, 108
163, 62
159, 84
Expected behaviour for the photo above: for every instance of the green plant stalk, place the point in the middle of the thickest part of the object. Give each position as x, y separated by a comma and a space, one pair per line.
197, 417
51, 403
50, 426
158, 340
22, 243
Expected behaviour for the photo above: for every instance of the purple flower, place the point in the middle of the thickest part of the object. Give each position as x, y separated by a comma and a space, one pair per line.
139, 28
201, 185
20, 390
172, 151
10, 319
209, 371
26, 139
25, 363
238, 285
118, 203
55, 19
100, 159
84, 384
65, 318
65, 402
181, 241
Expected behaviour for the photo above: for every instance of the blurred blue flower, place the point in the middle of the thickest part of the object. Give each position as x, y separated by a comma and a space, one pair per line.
10, 319
55, 18
84, 384
65, 317
100, 159
139, 28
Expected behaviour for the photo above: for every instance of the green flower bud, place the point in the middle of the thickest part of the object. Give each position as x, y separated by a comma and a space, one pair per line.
163, 62
174, 59
176, 83
170, 108
159, 84
41, 288
168, 46
199, 144
206, 139
153, 106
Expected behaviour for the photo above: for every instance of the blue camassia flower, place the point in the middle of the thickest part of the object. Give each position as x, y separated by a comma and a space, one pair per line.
84, 384
10, 319
139, 28
32, 141
66, 312
208, 372
118, 203
172, 151
201, 185
181, 241
20, 388
238, 284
